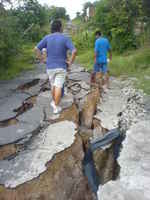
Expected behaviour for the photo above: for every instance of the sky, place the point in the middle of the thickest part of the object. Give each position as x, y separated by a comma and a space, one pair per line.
72, 6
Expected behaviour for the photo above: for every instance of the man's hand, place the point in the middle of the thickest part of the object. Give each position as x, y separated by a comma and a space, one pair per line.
39, 55
42, 60
69, 63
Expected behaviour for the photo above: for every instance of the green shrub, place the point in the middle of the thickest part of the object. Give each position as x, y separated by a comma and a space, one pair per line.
10, 40
84, 40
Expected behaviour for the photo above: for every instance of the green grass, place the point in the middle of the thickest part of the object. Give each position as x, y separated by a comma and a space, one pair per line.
21, 62
77, 21
86, 59
132, 64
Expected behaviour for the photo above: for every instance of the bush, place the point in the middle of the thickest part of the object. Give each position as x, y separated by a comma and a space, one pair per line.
9, 40
84, 40
116, 19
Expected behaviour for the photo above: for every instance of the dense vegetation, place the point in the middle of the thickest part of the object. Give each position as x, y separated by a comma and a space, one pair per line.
22, 23
127, 25
122, 21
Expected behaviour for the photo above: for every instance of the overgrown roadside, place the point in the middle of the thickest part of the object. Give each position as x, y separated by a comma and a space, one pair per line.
134, 64
22, 61
129, 39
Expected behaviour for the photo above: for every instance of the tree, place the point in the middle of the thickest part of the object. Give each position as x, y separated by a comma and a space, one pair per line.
18, 24
146, 8
31, 17
31, 12
117, 19
57, 13
9, 38
85, 7
3, 4
78, 14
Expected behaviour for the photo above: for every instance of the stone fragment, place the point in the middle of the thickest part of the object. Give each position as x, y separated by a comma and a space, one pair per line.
10, 104
15, 133
105, 164
89, 108
70, 114
33, 116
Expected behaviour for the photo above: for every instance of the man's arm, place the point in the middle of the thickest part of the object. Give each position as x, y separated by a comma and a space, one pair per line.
95, 56
38, 54
73, 56
96, 48
70, 46
109, 51
41, 45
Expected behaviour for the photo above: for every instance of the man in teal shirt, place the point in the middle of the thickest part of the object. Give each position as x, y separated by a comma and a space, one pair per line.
102, 47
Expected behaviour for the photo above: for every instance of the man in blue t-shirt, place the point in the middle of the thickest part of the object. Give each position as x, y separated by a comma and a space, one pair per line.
57, 46
102, 47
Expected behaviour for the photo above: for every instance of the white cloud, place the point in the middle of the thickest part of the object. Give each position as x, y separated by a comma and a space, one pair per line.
72, 6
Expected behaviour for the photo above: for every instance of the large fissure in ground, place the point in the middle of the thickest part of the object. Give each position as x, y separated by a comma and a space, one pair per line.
43, 156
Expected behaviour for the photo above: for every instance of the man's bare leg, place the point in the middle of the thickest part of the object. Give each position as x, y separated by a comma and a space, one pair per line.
106, 80
99, 80
57, 95
53, 92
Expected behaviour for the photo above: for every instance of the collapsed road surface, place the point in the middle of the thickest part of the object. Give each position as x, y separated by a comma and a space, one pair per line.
42, 155
134, 121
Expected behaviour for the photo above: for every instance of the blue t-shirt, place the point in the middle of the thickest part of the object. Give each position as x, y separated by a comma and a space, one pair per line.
102, 47
57, 45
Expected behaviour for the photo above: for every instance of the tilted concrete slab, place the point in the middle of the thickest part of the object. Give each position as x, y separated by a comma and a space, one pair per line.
134, 178
30, 163
35, 115
111, 105
20, 131
10, 103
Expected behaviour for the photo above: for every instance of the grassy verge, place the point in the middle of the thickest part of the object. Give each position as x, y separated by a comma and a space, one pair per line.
132, 64
22, 61
86, 59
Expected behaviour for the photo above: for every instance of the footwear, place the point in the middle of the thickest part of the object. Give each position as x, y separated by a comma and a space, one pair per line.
53, 104
57, 109
105, 89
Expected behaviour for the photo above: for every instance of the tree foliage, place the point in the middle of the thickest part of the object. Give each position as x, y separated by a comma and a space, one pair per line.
31, 17
117, 20
85, 7
57, 13
146, 8
22, 24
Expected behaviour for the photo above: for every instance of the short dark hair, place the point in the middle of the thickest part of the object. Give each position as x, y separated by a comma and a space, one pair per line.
98, 33
56, 26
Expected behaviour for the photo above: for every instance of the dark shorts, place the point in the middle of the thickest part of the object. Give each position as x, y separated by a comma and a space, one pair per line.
102, 67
